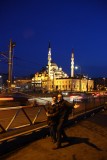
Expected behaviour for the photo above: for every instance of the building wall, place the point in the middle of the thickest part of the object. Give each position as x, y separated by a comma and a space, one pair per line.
68, 84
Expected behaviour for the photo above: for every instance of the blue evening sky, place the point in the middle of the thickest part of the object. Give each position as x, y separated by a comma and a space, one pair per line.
67, 24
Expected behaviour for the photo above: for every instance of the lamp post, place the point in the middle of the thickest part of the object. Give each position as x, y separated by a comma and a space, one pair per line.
10, 63
79, 67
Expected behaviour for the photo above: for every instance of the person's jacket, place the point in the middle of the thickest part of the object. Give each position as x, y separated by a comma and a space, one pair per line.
53, 111
65, 108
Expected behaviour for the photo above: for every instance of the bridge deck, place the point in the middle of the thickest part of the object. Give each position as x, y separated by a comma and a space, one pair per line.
87, 140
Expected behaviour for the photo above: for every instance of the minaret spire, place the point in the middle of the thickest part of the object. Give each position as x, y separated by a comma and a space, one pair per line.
72, 63
49, 59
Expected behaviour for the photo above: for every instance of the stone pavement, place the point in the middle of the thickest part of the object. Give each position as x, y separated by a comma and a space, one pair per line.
87, 141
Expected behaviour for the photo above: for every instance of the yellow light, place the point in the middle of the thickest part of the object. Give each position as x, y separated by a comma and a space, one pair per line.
6, 99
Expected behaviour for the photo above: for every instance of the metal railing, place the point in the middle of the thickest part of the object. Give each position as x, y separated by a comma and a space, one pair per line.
14, 118
20, 116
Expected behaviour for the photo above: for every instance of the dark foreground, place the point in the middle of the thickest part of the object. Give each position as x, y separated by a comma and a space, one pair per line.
87, 141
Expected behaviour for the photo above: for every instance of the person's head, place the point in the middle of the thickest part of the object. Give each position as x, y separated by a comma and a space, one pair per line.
54, 98
60, 97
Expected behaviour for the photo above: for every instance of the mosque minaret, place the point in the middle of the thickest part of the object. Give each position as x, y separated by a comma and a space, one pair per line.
53, 70
72, 63
49, 60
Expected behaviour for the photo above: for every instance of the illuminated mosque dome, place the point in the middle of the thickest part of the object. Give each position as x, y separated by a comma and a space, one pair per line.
53, 70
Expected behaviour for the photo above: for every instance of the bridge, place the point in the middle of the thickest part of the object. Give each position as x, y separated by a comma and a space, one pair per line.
28, 124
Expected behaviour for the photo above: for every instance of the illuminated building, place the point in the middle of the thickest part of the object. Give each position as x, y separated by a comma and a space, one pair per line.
53, 78
53, 70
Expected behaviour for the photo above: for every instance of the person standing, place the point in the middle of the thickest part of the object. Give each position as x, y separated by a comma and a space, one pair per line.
52, 117
64, 109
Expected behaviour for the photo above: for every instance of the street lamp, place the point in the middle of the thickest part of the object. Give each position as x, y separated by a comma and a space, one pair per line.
79, 67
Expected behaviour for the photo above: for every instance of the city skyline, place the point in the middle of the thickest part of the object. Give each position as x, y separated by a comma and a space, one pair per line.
68, 24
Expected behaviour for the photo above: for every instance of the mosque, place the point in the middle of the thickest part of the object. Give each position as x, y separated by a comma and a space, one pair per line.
53, 78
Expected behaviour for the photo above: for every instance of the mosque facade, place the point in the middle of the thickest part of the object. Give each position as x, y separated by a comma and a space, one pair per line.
53, 78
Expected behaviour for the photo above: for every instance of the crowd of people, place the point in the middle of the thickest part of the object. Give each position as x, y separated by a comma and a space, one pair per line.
57, 116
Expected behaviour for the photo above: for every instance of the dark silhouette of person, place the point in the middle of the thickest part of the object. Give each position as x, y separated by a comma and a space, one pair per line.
58, 112
52, 117
64, 109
